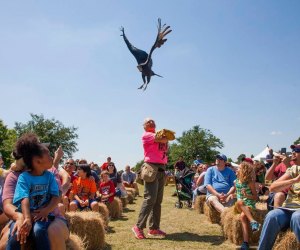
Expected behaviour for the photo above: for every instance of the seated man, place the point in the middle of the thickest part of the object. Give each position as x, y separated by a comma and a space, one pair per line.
219, 181
128, 179
288, 215
277, 169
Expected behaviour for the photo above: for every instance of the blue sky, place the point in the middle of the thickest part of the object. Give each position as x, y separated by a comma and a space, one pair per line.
228, 66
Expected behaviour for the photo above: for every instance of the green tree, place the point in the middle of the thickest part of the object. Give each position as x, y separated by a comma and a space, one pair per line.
138, 165
297, 141
50, 131
7, 140
240, 157
196, 141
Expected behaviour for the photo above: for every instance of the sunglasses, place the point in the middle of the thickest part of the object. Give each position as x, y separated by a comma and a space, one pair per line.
70, 163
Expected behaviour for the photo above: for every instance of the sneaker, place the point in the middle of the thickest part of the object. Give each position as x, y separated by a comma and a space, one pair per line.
255, 226
156, 232
245, 246
138, 233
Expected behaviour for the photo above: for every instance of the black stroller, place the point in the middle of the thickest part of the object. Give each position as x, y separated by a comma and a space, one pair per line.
183, 183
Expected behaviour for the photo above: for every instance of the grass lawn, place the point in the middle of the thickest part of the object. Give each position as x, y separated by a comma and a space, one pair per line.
185, 228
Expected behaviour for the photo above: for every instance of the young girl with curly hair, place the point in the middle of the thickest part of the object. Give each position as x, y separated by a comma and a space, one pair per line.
246, 199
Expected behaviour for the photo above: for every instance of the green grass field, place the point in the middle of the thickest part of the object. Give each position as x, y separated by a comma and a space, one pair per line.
185, 228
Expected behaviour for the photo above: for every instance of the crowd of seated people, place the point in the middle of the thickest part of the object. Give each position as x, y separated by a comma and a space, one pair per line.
36, 187
227, 186
37, 192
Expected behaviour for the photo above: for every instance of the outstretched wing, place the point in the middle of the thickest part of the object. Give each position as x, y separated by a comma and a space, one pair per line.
160, 38
140, 55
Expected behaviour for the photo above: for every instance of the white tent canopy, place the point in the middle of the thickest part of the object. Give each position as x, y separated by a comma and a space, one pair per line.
262, 155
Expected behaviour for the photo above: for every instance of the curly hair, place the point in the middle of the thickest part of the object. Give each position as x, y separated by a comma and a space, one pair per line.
246, 172
27, 147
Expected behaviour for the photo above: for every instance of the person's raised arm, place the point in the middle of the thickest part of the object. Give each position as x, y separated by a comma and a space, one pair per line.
57, 157
270, 172
65, 181
284, 182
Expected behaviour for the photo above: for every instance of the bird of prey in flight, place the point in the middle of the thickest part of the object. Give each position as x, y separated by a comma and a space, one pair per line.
143, 59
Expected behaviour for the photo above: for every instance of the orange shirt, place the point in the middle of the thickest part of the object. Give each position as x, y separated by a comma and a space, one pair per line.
84, 187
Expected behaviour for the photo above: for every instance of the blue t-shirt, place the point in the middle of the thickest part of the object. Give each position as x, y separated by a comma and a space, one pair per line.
128, 177
221, 181
39, 189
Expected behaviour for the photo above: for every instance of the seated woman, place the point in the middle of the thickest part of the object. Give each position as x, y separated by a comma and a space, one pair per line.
30, 152
200, 188
260, 171
115, 177
287, 216
84, 190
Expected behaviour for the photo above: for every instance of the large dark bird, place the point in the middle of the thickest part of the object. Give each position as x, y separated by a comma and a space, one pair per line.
143, 59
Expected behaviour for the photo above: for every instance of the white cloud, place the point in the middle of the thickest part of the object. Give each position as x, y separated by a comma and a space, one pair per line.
276, 133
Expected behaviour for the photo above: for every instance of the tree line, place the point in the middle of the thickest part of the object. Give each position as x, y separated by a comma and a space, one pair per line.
193, 142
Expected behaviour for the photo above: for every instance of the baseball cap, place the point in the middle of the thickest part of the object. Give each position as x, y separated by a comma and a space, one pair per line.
221, 157
296, 148
249, 160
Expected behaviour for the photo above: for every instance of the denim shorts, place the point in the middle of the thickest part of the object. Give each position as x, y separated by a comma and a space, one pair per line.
80, 207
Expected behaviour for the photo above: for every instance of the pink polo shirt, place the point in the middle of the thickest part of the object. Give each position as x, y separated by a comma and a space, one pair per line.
154, 152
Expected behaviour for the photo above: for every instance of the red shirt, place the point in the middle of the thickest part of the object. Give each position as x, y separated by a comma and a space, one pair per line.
107, 188
104, 166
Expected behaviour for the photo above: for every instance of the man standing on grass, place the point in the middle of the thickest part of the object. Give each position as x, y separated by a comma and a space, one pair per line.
155, 154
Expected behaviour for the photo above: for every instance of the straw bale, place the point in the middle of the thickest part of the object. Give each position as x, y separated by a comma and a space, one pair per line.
131, 190
287, 241
212, 214
232, 227
199, 203
130, 198
124, 201
104, 212
88, 226
115, 208
75, 243
263, 198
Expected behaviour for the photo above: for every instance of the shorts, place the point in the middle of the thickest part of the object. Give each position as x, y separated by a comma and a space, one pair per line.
80, 207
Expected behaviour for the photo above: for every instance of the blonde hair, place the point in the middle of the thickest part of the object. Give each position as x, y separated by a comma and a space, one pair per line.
246, 172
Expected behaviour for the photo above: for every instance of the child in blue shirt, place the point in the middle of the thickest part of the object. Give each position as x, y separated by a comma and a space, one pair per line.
36, 193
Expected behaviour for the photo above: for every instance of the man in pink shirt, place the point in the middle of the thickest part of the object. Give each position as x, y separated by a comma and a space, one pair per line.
155, 154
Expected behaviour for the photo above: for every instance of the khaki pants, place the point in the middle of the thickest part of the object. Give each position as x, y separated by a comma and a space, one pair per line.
214, 201
151, 207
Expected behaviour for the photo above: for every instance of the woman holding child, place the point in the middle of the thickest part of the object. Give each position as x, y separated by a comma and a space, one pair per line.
31, 195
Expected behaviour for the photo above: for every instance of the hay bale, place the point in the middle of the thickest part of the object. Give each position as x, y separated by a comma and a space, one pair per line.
199, 203
124, 201
212, 214
75, 243
104, 212
130, 198
131, 190
286, 240
232, 226
88, 226
115, 208
263, 198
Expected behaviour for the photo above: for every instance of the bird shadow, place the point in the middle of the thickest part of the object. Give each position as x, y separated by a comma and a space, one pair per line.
186, 236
